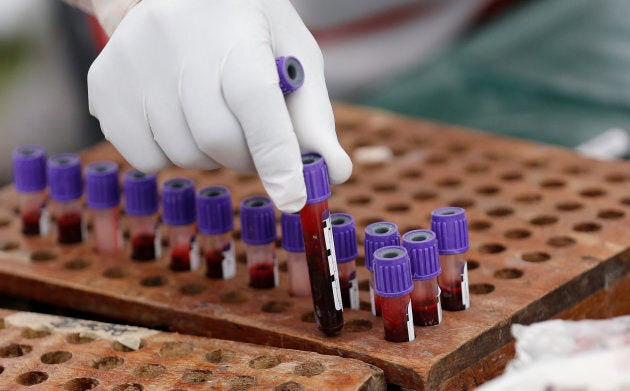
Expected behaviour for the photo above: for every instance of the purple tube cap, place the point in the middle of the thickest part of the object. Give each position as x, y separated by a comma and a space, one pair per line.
141, 195
315, 178
377, 235
29, 168
451, 228
214, 210
258, 220
392, 272
421, 244
101, 183
292, 239
178, 201
344, 237
290, 72
64, 177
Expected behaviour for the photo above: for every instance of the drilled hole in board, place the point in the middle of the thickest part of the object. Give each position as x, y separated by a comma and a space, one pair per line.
31, 378
80, 384
472, 264
617, 177
488, 190
385, 187
625, 201
592, 192
610, 214
544, 220
14, 350
114, 272
76, 264
500, 211
309, 369
9, 245
42, 256
241, 383
369, 220
477, 168
372, 166
308, 317
29, 333
149, 371
448, 182
77, 339
511, 176
457, 147
233, 297
528, 198
420, 141
517, 233
495, 156
552, 183
245, 178
410, 173
560, 241
397, 208
126, 234
508, 273
192, 289
587, 226
220, 356
264, 362
364, 285
535, 163
365, 306
359, 200
174, 349
491, 248
436, 160
479, 225
117, 346
241, 258
569, 206
154, 281
536, 256
1, 369
4, 222
56, 357
462, 202
424, 195
128, 387
276, 306
108, 363
289, 386
481, 288
357, 326
196, 376
236, 234
575, 170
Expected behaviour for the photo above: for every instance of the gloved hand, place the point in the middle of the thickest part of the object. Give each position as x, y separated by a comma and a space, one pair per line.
195, 82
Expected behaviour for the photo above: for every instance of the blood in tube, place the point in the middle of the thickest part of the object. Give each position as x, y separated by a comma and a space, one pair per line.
258, 231
345, 238
66, 188
29, 177
320, 248
143, 247
70, 228
178, 204
141, 206
377, 235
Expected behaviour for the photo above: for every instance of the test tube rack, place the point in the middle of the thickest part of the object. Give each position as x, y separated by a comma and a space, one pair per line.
49, 352
548, 231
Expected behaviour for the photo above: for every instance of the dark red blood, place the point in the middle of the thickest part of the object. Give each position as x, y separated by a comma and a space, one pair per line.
143, 247
377, 304
30, 223
262, 276
451, 297
346, 287
180, 259
426, 314
214, 263
328, 319
69, 228
396, 328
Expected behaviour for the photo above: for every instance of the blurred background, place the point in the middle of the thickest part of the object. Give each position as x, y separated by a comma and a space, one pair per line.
547, 70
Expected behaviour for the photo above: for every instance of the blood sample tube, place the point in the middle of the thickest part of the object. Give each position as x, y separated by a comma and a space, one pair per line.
345, 238
421, 245
66, 188
377, 235
141, 206
178, 213
451, 229
215, 222
392, 274
320, 247
258, 231
103, 200
293, 245
29, 177
290, 72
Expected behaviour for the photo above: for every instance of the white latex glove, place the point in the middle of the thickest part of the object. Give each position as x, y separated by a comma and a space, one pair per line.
195, 82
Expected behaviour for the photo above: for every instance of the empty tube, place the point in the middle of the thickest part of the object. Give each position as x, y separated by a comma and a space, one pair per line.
293, 245
103, 199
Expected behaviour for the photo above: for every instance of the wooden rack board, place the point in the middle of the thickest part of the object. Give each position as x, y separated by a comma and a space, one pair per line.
48, 352
548, 230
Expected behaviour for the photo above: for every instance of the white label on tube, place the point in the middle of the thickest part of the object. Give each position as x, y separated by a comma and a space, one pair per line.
44, 222
465, 294
372, 300
354, 293
228, 265
410, 330
332, 262
276, 276
194, 254
439, 305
